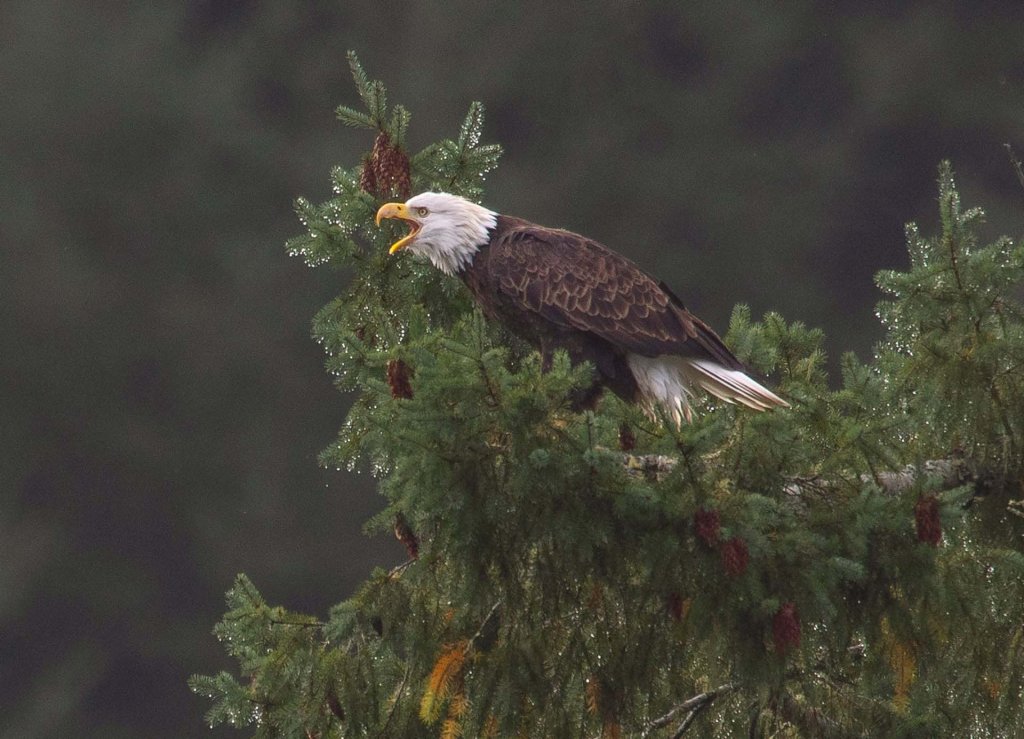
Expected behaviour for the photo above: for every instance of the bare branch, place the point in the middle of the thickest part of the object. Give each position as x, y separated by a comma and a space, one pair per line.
692, 705
483, 625
951, 473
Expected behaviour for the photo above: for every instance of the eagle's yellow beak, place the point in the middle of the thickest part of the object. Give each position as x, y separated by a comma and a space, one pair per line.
400, 211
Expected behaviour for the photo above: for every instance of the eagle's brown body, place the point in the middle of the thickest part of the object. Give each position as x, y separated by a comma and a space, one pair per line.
560, 290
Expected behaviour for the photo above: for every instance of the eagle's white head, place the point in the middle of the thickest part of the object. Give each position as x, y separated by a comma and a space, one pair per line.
445, 228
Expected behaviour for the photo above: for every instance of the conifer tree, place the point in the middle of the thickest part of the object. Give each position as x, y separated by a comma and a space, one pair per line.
851, 566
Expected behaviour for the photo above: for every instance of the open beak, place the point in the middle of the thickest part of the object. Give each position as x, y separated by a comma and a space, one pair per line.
401, 212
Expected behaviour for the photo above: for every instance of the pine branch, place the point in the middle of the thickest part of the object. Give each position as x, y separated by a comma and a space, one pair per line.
371, 92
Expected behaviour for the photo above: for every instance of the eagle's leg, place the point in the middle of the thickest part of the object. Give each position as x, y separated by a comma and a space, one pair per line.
580, 399
546, 358
585, 398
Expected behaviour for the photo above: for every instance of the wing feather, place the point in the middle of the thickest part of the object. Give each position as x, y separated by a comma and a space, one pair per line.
576, 282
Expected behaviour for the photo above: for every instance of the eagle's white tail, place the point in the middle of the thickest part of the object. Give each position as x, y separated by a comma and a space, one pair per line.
670, 382
730, 385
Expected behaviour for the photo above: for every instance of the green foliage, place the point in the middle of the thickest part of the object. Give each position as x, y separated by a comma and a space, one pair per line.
375, 98
560, 588
955, 344
459, 166
280, 650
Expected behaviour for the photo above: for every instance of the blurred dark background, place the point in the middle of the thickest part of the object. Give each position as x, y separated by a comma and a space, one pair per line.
163, 405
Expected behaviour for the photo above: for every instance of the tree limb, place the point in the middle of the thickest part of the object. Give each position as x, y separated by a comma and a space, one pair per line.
694, 705
951, 472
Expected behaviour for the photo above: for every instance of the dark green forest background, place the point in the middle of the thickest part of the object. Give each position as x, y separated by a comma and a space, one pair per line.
162, 403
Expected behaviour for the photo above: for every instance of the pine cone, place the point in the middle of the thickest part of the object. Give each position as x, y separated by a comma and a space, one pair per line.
399, 374
786, 628
929, 525
627, 439
706, 525
386, 171
735, 556
405, 534
676, 606
368, 176
363, 334
333, 703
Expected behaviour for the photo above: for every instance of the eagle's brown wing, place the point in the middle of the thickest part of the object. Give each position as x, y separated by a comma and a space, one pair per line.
576, 282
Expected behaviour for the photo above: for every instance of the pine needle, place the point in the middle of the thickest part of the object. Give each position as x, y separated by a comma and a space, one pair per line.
446, 669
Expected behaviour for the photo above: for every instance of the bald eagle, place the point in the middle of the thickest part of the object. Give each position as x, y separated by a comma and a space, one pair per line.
559, 290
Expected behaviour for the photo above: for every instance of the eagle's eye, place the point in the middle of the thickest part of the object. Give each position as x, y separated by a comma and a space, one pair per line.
422, 212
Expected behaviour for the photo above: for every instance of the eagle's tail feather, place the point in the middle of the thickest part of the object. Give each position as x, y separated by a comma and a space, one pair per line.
731, 385
669, 382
